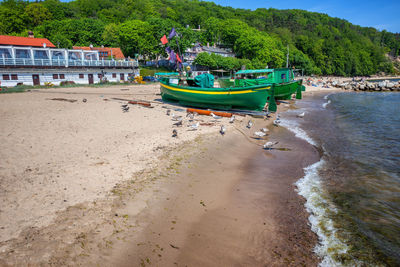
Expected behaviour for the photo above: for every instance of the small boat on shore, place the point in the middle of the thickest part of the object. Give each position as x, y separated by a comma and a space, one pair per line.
283, 79
200, 92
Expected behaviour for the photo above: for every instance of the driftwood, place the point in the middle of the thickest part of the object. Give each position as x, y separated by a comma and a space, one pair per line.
63, 99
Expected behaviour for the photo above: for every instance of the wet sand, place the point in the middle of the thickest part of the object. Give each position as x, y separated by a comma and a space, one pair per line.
251, 216
232, 205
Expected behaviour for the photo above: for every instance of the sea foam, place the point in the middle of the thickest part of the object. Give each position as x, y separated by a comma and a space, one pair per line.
300, 133
326, 104
318, 205
320, 208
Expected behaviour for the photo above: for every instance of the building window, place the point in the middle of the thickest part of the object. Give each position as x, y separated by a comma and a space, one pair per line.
55, 76
14, 77
99, 75
114, 75
6, 77
62, 76
81, 76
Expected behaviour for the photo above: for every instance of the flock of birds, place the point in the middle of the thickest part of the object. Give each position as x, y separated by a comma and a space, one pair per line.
193, 126
178, 122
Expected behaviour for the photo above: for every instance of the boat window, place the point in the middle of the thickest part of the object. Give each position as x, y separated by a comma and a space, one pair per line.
81, 76
14, 77
283, 76
55, 76
6, 77
62, 76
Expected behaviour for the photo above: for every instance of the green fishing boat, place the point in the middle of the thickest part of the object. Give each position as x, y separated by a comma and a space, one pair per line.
200, 92
283, 79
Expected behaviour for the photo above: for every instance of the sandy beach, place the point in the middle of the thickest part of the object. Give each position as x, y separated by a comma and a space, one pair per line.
86, 183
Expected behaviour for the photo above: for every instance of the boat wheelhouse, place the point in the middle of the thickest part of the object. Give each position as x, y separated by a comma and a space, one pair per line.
282, 78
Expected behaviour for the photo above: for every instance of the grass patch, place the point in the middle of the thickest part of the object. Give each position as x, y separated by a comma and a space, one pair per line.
149, 71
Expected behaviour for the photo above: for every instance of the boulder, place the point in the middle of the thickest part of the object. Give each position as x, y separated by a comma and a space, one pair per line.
347, 87
382, 84
390, 85
362, 87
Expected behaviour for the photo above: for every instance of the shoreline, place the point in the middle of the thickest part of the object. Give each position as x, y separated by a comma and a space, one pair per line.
74, 235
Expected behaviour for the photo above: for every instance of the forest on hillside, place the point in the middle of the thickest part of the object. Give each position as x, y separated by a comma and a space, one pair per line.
319, 44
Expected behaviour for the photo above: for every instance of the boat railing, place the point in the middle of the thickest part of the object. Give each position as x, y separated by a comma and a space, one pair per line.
28, 62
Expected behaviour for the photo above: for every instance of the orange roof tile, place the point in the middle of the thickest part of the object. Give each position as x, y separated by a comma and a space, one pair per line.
116, 51
24, 41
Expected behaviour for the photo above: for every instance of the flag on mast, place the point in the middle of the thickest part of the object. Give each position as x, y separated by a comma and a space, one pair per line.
164, 40
172, 33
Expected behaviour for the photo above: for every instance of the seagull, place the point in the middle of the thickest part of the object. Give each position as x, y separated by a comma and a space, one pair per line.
168, 112
301, 115
178, 124
125, 109
176, 118
232, 119
276, 122
264, 130
249, 124
222, 130
124, 106
84, 100
215, 116
194, 127
269, 145
260, 134
174, 133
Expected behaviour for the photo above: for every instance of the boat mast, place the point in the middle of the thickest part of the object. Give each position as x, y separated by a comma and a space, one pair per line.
287, 57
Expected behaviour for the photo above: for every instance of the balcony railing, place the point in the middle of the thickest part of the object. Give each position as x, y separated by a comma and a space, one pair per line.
65, 63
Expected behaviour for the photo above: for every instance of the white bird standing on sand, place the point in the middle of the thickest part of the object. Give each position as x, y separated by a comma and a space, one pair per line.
260, 134
264, 130
249, 124
174, 133
276, 122
215, 116
301, 115
194, 127
222, 130
176, 118
269, 145
232, 119
168, 112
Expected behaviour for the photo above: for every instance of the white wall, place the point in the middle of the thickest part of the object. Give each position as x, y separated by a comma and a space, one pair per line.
46, 75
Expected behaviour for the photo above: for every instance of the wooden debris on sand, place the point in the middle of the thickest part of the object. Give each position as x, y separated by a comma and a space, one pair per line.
63, 99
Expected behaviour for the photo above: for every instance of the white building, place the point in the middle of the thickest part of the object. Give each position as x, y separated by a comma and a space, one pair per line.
191, 53
36, 61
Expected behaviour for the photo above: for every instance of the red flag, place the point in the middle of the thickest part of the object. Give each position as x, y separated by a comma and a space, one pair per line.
164, 40
178, 58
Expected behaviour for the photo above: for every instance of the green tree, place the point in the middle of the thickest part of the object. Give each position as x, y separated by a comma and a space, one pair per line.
36, 14
135, 36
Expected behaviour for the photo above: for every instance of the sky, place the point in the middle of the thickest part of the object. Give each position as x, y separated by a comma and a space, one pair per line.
382, 15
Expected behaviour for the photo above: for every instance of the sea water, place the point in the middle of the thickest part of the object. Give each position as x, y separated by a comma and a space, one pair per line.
353, 192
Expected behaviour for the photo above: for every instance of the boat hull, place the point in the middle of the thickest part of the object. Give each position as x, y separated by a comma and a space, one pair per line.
252, 97
285, 90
